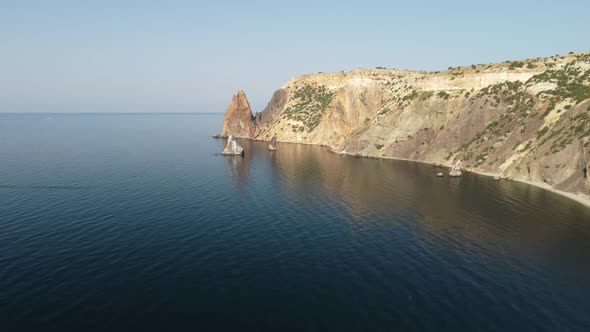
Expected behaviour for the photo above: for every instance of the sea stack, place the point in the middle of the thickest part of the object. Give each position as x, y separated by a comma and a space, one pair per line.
238, 120
233, 148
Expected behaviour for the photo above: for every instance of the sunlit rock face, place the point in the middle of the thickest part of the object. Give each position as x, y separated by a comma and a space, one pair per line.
238, 120
527, 120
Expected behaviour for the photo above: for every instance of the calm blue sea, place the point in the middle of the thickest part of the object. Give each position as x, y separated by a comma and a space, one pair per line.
120, 222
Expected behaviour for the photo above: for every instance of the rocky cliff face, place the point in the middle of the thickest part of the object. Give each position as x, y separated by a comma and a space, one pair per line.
528, 120
238, 120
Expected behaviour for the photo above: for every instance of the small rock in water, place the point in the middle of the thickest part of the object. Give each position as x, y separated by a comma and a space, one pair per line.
273, 144
233, 148
455, 173
496, 178
455, 169
440, 175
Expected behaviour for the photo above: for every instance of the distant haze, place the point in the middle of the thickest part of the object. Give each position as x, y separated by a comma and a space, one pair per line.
187, 56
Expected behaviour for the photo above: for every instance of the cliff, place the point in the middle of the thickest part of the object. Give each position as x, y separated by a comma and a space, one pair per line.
527, 120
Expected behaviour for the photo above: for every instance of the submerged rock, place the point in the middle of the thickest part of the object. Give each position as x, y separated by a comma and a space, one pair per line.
440, 175
496, 178
233, 148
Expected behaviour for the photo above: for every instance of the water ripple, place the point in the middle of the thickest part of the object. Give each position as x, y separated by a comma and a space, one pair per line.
145, 226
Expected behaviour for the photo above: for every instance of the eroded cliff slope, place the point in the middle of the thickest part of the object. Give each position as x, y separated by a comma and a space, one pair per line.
528, 120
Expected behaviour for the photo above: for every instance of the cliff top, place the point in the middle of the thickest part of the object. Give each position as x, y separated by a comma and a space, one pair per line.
465, 76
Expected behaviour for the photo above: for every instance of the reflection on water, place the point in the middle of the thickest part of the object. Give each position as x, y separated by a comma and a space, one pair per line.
471, 211
135, 223
238, 166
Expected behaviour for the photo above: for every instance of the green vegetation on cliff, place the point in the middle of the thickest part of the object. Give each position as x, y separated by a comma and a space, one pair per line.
310, 103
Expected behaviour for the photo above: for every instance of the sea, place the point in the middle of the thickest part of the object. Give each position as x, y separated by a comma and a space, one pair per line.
135, 222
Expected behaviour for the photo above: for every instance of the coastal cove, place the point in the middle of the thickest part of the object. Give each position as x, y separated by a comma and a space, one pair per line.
299, 166
526, 120
578, 197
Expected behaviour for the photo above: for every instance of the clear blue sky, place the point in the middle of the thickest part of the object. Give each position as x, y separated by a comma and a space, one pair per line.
193, 55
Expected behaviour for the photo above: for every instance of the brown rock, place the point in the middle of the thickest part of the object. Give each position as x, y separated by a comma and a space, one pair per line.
238, 120
272, 110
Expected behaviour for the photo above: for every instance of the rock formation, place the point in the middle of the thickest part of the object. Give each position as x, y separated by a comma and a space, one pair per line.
455, 169
526, 120
238, 120
233, 148
455, 173
273, 144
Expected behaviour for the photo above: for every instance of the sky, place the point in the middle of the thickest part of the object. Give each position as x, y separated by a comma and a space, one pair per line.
192, 56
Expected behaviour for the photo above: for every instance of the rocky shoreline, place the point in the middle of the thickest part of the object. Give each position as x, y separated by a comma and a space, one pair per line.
526, 120
580, 198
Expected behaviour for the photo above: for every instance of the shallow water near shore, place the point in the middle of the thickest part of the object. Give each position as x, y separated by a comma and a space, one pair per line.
134, 222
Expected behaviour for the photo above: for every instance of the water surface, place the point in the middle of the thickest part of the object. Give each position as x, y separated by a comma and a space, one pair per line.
132, 222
